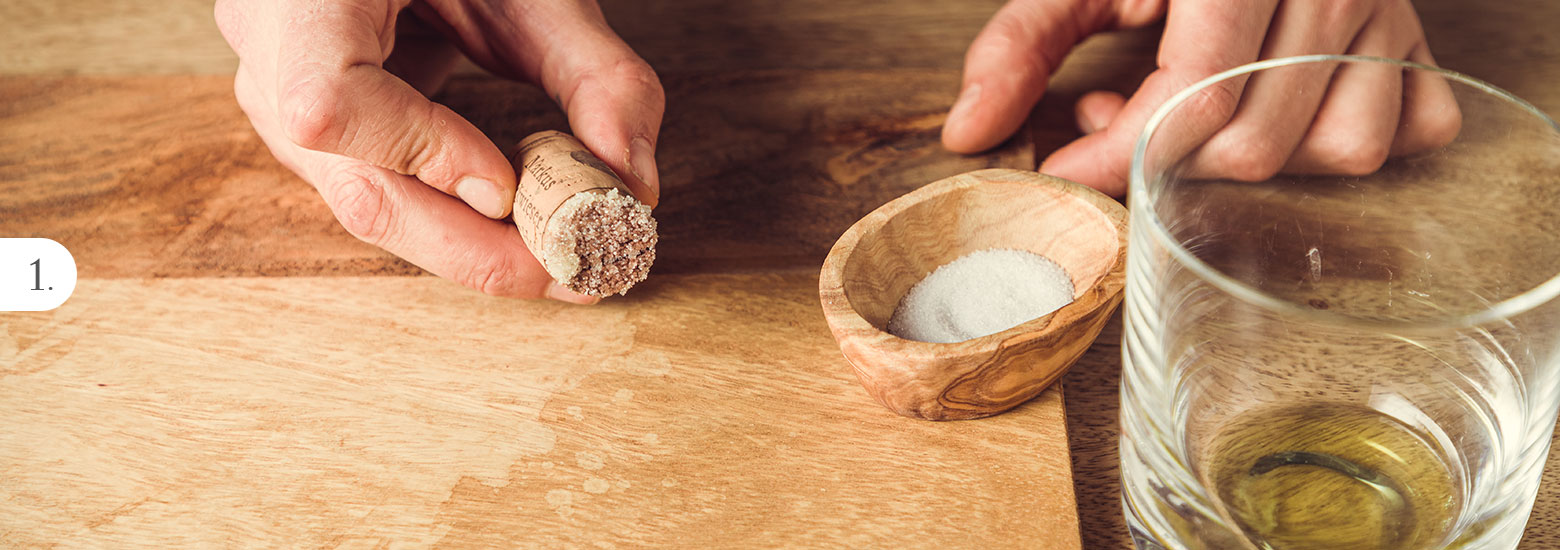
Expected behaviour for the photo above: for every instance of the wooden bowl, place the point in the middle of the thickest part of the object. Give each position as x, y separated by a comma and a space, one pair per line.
878, 259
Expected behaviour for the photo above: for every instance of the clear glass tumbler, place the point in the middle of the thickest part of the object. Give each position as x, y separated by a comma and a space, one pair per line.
1367, 361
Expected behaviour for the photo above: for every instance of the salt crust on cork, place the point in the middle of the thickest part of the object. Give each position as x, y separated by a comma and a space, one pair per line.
600, 243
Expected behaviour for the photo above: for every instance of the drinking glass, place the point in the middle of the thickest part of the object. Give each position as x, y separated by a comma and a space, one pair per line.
1355, 361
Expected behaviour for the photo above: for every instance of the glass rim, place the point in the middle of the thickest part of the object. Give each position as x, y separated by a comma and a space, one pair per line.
1138, 194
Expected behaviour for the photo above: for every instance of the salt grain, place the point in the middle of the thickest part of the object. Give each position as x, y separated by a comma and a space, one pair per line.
981, 293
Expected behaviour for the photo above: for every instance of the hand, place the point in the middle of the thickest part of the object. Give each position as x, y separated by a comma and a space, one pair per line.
337, 90
1258, 126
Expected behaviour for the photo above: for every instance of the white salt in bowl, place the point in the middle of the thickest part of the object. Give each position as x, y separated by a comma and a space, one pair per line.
876, 262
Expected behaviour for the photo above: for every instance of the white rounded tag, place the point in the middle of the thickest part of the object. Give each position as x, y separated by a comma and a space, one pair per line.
35, 274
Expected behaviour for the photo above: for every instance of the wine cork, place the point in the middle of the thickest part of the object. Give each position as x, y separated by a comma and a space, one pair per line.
578, 218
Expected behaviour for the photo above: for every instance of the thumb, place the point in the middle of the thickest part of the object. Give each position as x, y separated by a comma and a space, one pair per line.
1008, 64
335, 97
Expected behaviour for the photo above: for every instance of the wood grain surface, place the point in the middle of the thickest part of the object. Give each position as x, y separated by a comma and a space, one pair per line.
245, 377
117, 129
134, 37
134, 190
346, 412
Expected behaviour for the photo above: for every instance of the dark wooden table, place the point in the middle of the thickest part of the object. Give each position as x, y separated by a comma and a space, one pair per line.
787, 120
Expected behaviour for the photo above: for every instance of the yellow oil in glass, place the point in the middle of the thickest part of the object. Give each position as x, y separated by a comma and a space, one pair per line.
1332, 477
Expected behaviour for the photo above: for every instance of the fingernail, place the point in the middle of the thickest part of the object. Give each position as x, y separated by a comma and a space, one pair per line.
967, 100
557, 292
482, 194
641, 160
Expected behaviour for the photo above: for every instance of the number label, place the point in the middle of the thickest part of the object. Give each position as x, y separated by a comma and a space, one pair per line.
24, 285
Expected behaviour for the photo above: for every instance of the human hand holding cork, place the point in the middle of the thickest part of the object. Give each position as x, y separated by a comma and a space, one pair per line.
582, 223
341, 94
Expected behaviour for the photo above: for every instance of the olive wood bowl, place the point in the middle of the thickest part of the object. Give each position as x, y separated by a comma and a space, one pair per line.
877, 260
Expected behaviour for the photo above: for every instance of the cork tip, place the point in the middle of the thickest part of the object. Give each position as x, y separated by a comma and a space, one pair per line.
600, 243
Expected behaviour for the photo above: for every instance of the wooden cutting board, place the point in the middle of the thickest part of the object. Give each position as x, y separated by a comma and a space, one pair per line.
235, 369
150, 184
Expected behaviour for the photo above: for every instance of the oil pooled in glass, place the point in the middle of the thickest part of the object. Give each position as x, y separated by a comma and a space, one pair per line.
1332, 477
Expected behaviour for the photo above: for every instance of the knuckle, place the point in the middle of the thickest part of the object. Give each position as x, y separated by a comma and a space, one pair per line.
309, 112
1344, 10
1350, 154
423, 153
357, 197
493, 274
1008, 47
1441, 126
630, 76
1006, 37
1215, 102
638, 73
1246, 157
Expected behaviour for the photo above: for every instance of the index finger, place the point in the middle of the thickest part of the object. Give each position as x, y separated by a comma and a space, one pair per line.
1202, 38
333, 96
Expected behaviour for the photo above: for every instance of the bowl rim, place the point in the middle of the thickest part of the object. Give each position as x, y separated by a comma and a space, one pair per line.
843, 318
